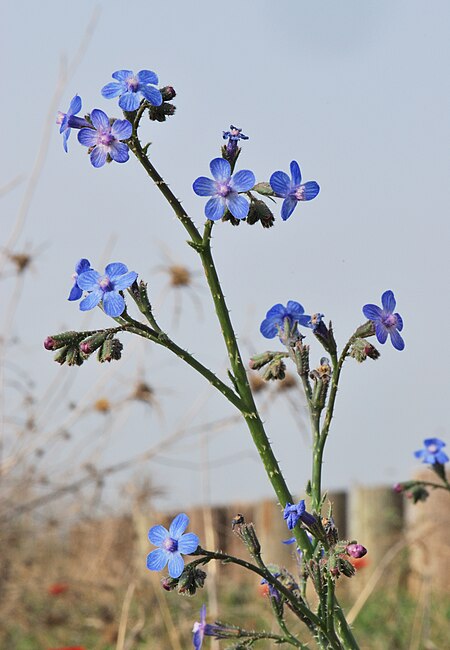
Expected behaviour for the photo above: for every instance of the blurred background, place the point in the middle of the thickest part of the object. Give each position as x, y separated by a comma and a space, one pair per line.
355, 93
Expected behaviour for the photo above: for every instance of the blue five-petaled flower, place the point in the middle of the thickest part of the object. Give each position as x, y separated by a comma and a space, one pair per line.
130, 88
104, 139
275, 317
81, 266
432, 452
106, 288
172, 543
292, 189
224, 190
385, 321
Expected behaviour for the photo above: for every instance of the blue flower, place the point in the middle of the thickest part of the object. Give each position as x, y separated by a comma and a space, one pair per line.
171, 544
275, 317
106, 288
273, 591
202, 628
224, 190
293, 513
81, 267
68, 120
432, 452
292, 190
385, 321
104, 138
130, 88
233, 135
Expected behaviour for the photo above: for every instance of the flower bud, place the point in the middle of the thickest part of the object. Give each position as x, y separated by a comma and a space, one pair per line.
56, 341
361, 349
247, 533
264, 189
356, 550
167, 93
111, 349
190, 580
368, 329
258, 361
275, 370
259, 211
93, 342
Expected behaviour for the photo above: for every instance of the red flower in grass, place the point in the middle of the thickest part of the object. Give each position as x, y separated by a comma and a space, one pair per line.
58, 588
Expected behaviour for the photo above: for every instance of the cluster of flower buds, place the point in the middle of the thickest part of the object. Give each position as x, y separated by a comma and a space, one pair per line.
189, 581
73, 348
272, 362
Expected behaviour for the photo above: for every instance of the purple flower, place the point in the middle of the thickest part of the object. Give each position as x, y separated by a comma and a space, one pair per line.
224, 190
386, 322
233, 135
68, 120
273, 591
432, 452
106, 288
81, 267
293, 513
171, 544
292, 190
275, 317
130, 88
104, 138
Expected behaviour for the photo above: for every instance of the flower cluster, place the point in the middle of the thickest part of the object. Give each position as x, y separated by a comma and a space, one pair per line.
106, 137
104, 288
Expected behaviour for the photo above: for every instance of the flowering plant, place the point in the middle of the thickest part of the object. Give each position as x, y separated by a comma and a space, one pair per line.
235, 197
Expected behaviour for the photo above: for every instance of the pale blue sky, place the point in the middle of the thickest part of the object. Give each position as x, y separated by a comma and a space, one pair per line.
358, 93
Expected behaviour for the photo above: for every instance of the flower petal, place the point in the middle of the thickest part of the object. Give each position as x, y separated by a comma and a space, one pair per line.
381, 332
399, 322
203, 186
130, 101
157, 535
295, 309
75, 105
125, 281
91, 300
388, 301
396, 340
147, 77
296, 174
157, 559
88, 137
112, 90
122, 129
82, 266
188, 543
269, 328
310, 190
237, 205
66, 135
178, 525
99, 119
75, 293
98, 155
115, 269
122, 75
113, 303
372, 312
280, 183
215, 208
243, 181
119, 152
288, 207
220, 169
175, 565
88, 280
152, 95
